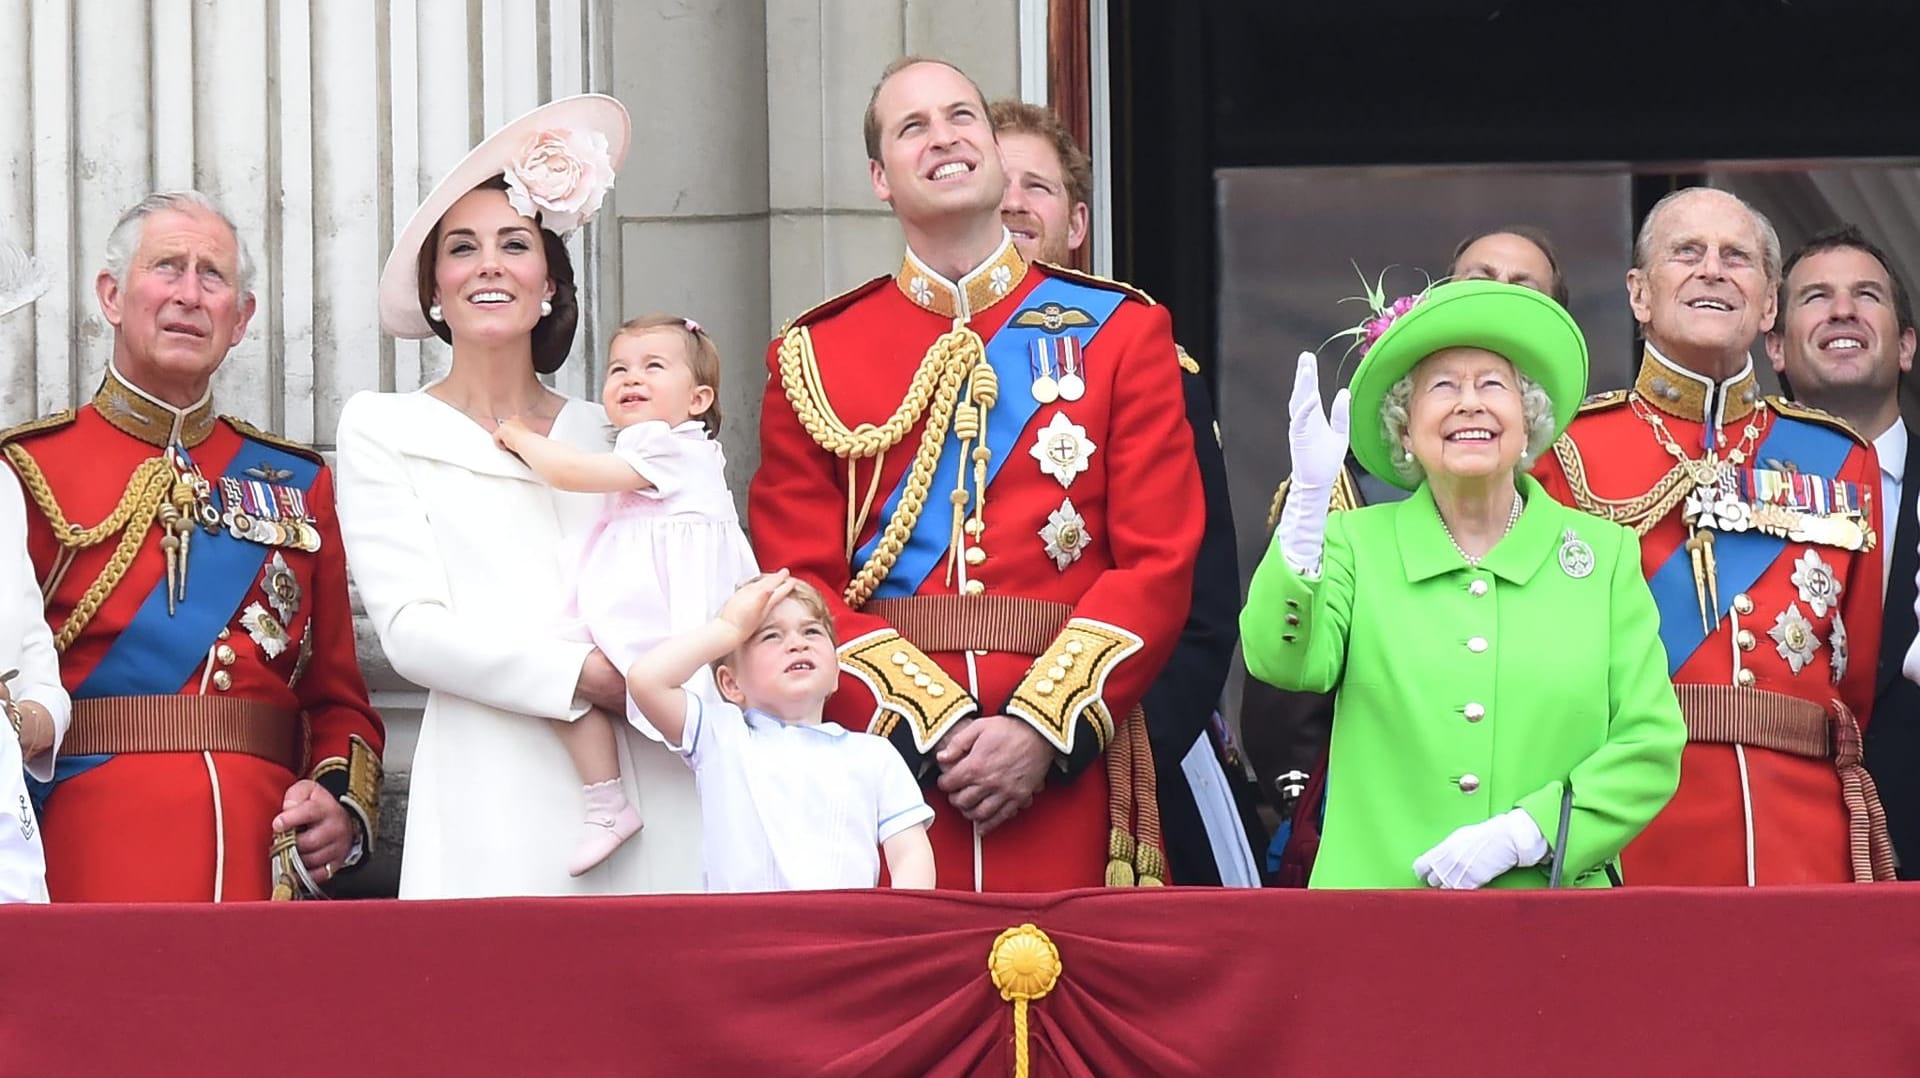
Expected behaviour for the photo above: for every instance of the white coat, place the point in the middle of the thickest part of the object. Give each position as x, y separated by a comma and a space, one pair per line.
26, 645
460, 555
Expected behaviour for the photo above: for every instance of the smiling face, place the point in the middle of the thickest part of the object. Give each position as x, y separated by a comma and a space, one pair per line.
1046, 223
1704, 293
490, 269
181, 309
1466, 418
1840, 343
650, 376
787, 668
938, 161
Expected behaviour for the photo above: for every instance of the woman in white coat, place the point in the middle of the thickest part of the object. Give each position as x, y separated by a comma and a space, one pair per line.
462, 554
36, 705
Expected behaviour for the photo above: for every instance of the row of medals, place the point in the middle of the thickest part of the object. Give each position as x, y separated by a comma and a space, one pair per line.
1715, 504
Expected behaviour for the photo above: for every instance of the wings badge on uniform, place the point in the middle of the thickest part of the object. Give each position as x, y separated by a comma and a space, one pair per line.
1054, 318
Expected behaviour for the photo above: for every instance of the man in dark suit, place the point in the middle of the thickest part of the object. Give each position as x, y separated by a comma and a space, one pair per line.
1049, 185
1844, 337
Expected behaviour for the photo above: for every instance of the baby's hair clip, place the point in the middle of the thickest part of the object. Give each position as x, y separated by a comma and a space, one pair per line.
692, 326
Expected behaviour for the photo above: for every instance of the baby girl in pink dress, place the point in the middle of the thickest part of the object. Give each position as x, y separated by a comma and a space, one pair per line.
667, 550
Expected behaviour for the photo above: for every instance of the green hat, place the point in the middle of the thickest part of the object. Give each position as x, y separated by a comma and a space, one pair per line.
1527, 328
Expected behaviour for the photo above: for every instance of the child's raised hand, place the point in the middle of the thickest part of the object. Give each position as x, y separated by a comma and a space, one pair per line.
749, 606
505, 431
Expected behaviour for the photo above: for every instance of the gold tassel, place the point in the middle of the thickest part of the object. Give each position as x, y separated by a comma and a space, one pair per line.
1025, 965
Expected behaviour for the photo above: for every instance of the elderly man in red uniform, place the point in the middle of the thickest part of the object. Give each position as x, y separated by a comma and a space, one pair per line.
988, 464
1759, 520
222, 745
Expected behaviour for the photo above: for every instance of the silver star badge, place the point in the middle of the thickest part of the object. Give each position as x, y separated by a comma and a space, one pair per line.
281, 586
922, 291
1063, 449
1066, 535
1837, 639
267, 633
1794, 636
1819, 588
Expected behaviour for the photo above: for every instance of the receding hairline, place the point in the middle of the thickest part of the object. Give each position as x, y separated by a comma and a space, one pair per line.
1766, 238
872, 132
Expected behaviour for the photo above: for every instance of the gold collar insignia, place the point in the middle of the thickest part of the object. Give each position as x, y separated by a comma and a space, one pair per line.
137, 413
987, 284
1684, 394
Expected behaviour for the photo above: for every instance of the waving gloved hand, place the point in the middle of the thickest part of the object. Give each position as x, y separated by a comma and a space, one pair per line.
1473, 855
1319, 445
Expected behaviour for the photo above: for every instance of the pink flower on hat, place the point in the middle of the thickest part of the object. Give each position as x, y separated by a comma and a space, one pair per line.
561, 178
1384, 314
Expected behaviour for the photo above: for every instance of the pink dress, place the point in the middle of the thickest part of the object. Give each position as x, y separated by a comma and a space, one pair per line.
662, 561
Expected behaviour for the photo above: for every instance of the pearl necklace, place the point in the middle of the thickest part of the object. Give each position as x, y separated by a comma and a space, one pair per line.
1473, 562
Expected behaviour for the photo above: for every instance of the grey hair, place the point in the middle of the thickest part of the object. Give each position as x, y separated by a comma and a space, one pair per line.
1769, 238
1536, 411
127, 231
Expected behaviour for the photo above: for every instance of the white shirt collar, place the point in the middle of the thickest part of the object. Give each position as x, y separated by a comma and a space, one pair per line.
1891, 447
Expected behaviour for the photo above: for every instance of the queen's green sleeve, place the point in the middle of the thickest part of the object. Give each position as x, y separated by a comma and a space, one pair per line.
1293, 631
1622, 785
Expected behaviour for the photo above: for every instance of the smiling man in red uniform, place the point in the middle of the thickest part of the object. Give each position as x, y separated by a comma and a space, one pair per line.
222, 745
988, 464
1759, 521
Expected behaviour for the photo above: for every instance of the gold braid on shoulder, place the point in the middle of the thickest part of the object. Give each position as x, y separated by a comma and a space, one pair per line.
934, 391
145, 494
1640, 513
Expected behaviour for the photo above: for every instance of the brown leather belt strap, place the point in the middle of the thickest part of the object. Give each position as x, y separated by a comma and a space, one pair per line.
116, 724
1767, 720
936, 623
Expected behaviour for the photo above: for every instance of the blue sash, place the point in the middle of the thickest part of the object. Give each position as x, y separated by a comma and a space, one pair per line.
1008, 353
158, 652
1741, 557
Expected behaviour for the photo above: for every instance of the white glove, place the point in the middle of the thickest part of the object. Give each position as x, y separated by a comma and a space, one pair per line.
1319, 444
1473, 855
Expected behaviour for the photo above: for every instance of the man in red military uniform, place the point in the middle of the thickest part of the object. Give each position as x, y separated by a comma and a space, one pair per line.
222, 745
988, 464
1759, 521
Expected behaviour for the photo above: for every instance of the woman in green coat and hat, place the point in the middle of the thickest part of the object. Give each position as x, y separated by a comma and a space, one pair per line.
1491, 650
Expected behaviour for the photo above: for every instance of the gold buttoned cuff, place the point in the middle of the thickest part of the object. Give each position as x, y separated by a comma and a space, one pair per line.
1065, 684
355, 783
908, 686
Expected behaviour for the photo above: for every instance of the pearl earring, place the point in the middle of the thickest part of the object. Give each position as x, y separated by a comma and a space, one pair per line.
1407, 456
546, 307
434, 314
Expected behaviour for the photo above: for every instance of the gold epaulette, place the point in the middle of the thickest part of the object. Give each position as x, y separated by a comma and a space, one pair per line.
1796, 410
1096, 281
833, 303
1187, 362
1346, 496
62, 418
1600, 402
296, 448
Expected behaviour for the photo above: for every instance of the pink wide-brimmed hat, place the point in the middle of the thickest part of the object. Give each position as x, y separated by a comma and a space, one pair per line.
559, 161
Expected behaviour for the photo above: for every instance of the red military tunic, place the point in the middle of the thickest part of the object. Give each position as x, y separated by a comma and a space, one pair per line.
151, 803
1080, 552
1771, 641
